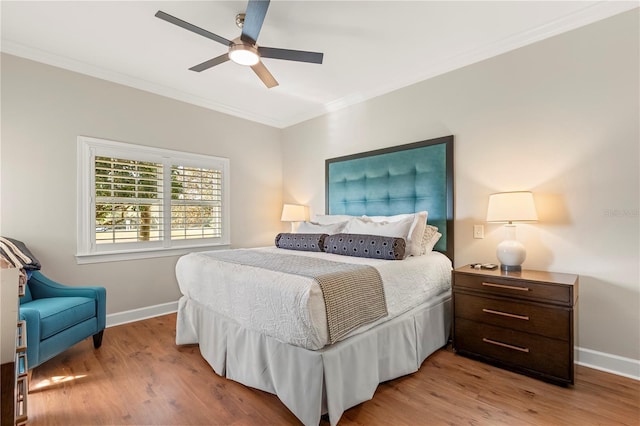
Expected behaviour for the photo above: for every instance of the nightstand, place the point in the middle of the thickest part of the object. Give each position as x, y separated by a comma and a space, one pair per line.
522, 321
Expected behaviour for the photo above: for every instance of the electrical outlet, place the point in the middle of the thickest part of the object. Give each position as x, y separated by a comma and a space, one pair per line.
478, 231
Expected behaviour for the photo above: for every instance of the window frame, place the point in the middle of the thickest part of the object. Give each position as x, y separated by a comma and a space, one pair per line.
90, 252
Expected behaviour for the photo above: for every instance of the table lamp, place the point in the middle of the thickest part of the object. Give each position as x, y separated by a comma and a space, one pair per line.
511, 207
293, 213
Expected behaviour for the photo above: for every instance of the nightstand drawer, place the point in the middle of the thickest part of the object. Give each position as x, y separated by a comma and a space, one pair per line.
547, 321
516, 288
516, 350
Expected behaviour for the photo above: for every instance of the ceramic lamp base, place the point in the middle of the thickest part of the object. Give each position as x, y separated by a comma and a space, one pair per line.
510, 252
511, 268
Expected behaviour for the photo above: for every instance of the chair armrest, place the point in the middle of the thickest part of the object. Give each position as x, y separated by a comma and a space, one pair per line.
42, 287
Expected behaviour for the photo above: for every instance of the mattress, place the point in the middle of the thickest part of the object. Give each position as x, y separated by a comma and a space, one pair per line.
290, 308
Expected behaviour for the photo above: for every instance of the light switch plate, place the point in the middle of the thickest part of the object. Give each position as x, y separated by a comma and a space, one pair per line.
478, 231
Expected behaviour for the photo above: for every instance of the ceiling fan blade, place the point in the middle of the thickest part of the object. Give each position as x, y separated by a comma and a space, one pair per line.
253, 19
264, 74
210, 63
187, 26
290, 55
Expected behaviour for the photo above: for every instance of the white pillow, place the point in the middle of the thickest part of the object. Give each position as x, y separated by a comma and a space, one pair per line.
330, 219
416, 232
365, 226
394, 218
316, 228
430, 238
432, 242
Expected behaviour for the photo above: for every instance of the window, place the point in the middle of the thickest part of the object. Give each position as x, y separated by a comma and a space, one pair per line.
136, 201
196, 196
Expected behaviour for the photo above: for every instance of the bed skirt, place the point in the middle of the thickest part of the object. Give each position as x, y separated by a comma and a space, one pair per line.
330, 380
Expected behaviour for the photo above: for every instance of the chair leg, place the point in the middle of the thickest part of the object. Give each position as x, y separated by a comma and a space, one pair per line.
97, 339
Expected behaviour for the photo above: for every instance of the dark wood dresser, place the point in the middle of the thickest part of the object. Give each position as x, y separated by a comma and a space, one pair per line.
13, 352
522, 321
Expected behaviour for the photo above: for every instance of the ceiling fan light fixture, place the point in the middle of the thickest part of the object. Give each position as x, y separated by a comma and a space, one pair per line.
244, 54
244, 50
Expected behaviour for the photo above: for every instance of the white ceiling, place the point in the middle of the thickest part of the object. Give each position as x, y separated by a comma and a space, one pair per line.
370, 47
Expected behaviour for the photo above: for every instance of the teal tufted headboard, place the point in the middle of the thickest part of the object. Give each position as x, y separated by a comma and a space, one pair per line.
401, 179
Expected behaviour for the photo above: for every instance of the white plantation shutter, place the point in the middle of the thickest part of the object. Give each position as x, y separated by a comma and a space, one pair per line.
135, 199
129, 197
196, 203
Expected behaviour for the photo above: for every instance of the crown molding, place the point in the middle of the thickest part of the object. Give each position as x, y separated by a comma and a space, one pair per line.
80, 67
590, 14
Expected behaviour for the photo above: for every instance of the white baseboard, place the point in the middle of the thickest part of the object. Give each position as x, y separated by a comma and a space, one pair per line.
139, 314
602, 361
610, 363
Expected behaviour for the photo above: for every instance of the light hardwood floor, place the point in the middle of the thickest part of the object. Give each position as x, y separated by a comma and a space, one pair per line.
140, 377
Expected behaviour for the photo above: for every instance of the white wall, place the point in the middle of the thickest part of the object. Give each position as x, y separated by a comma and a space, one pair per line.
559, 118
44, 109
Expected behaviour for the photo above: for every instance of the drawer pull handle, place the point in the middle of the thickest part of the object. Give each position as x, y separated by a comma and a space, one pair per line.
505, 345
506, 314
508, 287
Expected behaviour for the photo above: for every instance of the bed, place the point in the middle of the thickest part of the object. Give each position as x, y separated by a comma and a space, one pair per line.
240, 314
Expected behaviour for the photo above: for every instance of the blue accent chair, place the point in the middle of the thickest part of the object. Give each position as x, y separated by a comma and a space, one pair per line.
60, 316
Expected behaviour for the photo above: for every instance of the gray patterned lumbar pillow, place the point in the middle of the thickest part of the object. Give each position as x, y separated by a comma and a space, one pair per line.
304, 242
360, 245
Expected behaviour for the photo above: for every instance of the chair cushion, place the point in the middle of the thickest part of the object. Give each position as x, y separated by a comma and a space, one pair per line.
59, 313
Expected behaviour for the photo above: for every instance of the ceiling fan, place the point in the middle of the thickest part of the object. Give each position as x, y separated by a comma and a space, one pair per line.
244, 50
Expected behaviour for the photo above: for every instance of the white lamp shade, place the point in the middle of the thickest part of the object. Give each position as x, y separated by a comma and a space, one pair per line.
511, 207
293, 213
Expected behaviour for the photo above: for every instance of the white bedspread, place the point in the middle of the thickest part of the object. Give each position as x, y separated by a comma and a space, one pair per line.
290, 308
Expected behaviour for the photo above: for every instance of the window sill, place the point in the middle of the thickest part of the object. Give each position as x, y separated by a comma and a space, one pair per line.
86, 258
